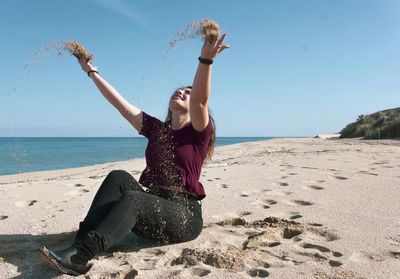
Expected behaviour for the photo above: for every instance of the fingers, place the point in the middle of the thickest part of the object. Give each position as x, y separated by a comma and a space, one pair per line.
91, 59
220, 44
221, 41
212, 48
216, 43
222, 48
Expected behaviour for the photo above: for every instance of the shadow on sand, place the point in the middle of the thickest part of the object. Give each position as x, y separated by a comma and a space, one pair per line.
20, 251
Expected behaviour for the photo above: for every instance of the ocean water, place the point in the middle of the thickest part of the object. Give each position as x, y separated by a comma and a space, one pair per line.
18, 155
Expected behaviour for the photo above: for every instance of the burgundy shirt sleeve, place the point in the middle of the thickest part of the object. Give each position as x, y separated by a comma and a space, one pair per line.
150, 126
202, 138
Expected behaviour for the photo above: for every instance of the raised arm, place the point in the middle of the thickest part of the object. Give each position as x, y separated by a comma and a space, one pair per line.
202, 84
131, 113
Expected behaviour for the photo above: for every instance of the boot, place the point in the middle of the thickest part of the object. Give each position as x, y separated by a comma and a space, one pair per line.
74, 259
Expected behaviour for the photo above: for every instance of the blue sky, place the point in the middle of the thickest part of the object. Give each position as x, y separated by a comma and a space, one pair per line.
295, 68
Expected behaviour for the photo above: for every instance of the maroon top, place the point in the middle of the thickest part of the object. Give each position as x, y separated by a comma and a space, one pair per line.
174, 157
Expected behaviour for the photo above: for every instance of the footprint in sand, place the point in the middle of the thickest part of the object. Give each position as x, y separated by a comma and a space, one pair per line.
313, 255
96, 176
293, 173
341, 177
274, 244
258, 272
245, 213
331, 236
315, 224
311, 168
229, 258
263, 239
85, 190
363, 256
296, 216
337, 254
25, 203
244, 194
2, 217
284, 177
303, 203
316, 187
79, 185
319, 257
269, 202
224, 186
395, 255
334, 263
367, 172
283, 184
314, 246
201, 272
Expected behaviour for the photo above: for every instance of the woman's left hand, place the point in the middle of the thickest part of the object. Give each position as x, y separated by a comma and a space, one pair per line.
211, 49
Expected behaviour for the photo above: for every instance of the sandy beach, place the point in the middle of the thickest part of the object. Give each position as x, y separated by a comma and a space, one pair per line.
280, 208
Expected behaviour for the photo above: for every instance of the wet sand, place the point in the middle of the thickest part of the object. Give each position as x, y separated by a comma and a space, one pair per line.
281, 208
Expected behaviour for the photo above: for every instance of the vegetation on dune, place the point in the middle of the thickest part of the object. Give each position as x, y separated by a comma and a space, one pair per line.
383, 124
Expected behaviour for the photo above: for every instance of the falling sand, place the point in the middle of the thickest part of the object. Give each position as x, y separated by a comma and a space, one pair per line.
206, 29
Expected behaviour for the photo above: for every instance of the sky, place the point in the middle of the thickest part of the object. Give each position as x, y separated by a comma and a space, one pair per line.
294, 67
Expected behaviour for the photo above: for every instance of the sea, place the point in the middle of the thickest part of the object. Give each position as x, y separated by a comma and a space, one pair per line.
29, 154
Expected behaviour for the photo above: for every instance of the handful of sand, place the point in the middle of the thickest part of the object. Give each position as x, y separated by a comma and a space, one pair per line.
77, 50
210, 30
206, 29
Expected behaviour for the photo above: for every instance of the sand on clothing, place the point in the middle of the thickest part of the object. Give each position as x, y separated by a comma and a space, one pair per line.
281, 208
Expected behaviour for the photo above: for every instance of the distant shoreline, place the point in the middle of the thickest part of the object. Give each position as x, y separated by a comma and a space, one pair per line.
37, 154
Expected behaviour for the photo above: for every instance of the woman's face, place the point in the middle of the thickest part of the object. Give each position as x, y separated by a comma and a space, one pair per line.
179, 101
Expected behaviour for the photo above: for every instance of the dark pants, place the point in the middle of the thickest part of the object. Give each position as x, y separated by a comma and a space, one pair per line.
121, 206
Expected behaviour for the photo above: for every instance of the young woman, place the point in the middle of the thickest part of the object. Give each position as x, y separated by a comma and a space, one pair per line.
169, 210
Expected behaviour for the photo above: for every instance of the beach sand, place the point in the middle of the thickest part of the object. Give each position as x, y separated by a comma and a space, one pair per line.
281, 208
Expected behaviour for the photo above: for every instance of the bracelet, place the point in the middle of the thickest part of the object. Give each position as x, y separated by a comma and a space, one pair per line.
92, 71
205, 61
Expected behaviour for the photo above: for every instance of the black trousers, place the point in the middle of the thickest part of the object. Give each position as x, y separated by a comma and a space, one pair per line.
121, 205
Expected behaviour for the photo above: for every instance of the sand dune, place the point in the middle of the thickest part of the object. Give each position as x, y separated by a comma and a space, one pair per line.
282, 208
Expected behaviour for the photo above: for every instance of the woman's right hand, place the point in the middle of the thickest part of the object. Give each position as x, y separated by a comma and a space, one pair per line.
87, 65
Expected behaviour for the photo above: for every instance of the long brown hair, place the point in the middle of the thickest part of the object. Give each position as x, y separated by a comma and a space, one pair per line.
210, 148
